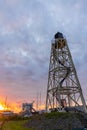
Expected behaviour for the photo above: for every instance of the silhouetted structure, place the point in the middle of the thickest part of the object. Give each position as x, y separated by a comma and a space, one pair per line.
63, 87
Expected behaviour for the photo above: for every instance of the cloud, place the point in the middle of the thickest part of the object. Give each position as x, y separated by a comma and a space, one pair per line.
26, 31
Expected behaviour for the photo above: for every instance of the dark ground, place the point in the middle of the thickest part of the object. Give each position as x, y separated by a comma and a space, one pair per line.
56, 121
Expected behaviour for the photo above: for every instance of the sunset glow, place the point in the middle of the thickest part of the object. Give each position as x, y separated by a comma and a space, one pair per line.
1, 107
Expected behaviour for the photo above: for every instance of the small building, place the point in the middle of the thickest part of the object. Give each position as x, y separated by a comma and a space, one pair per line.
27, 109
27, 106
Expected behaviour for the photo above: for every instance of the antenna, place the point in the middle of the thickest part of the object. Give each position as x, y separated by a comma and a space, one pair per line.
37, 102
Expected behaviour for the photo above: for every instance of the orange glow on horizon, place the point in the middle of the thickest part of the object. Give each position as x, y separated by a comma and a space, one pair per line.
16, 107
12, 107
1, 107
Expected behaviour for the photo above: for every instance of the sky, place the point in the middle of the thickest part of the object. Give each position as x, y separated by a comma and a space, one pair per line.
26, 30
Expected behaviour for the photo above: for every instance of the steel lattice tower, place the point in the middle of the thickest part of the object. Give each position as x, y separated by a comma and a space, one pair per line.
63, 88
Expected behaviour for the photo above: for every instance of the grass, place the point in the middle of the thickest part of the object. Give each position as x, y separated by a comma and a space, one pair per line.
57, 115
16, 125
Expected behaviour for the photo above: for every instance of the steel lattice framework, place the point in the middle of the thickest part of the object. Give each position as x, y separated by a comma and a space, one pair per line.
63, 88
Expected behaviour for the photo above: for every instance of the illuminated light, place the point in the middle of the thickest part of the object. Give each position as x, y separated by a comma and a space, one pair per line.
1, 107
